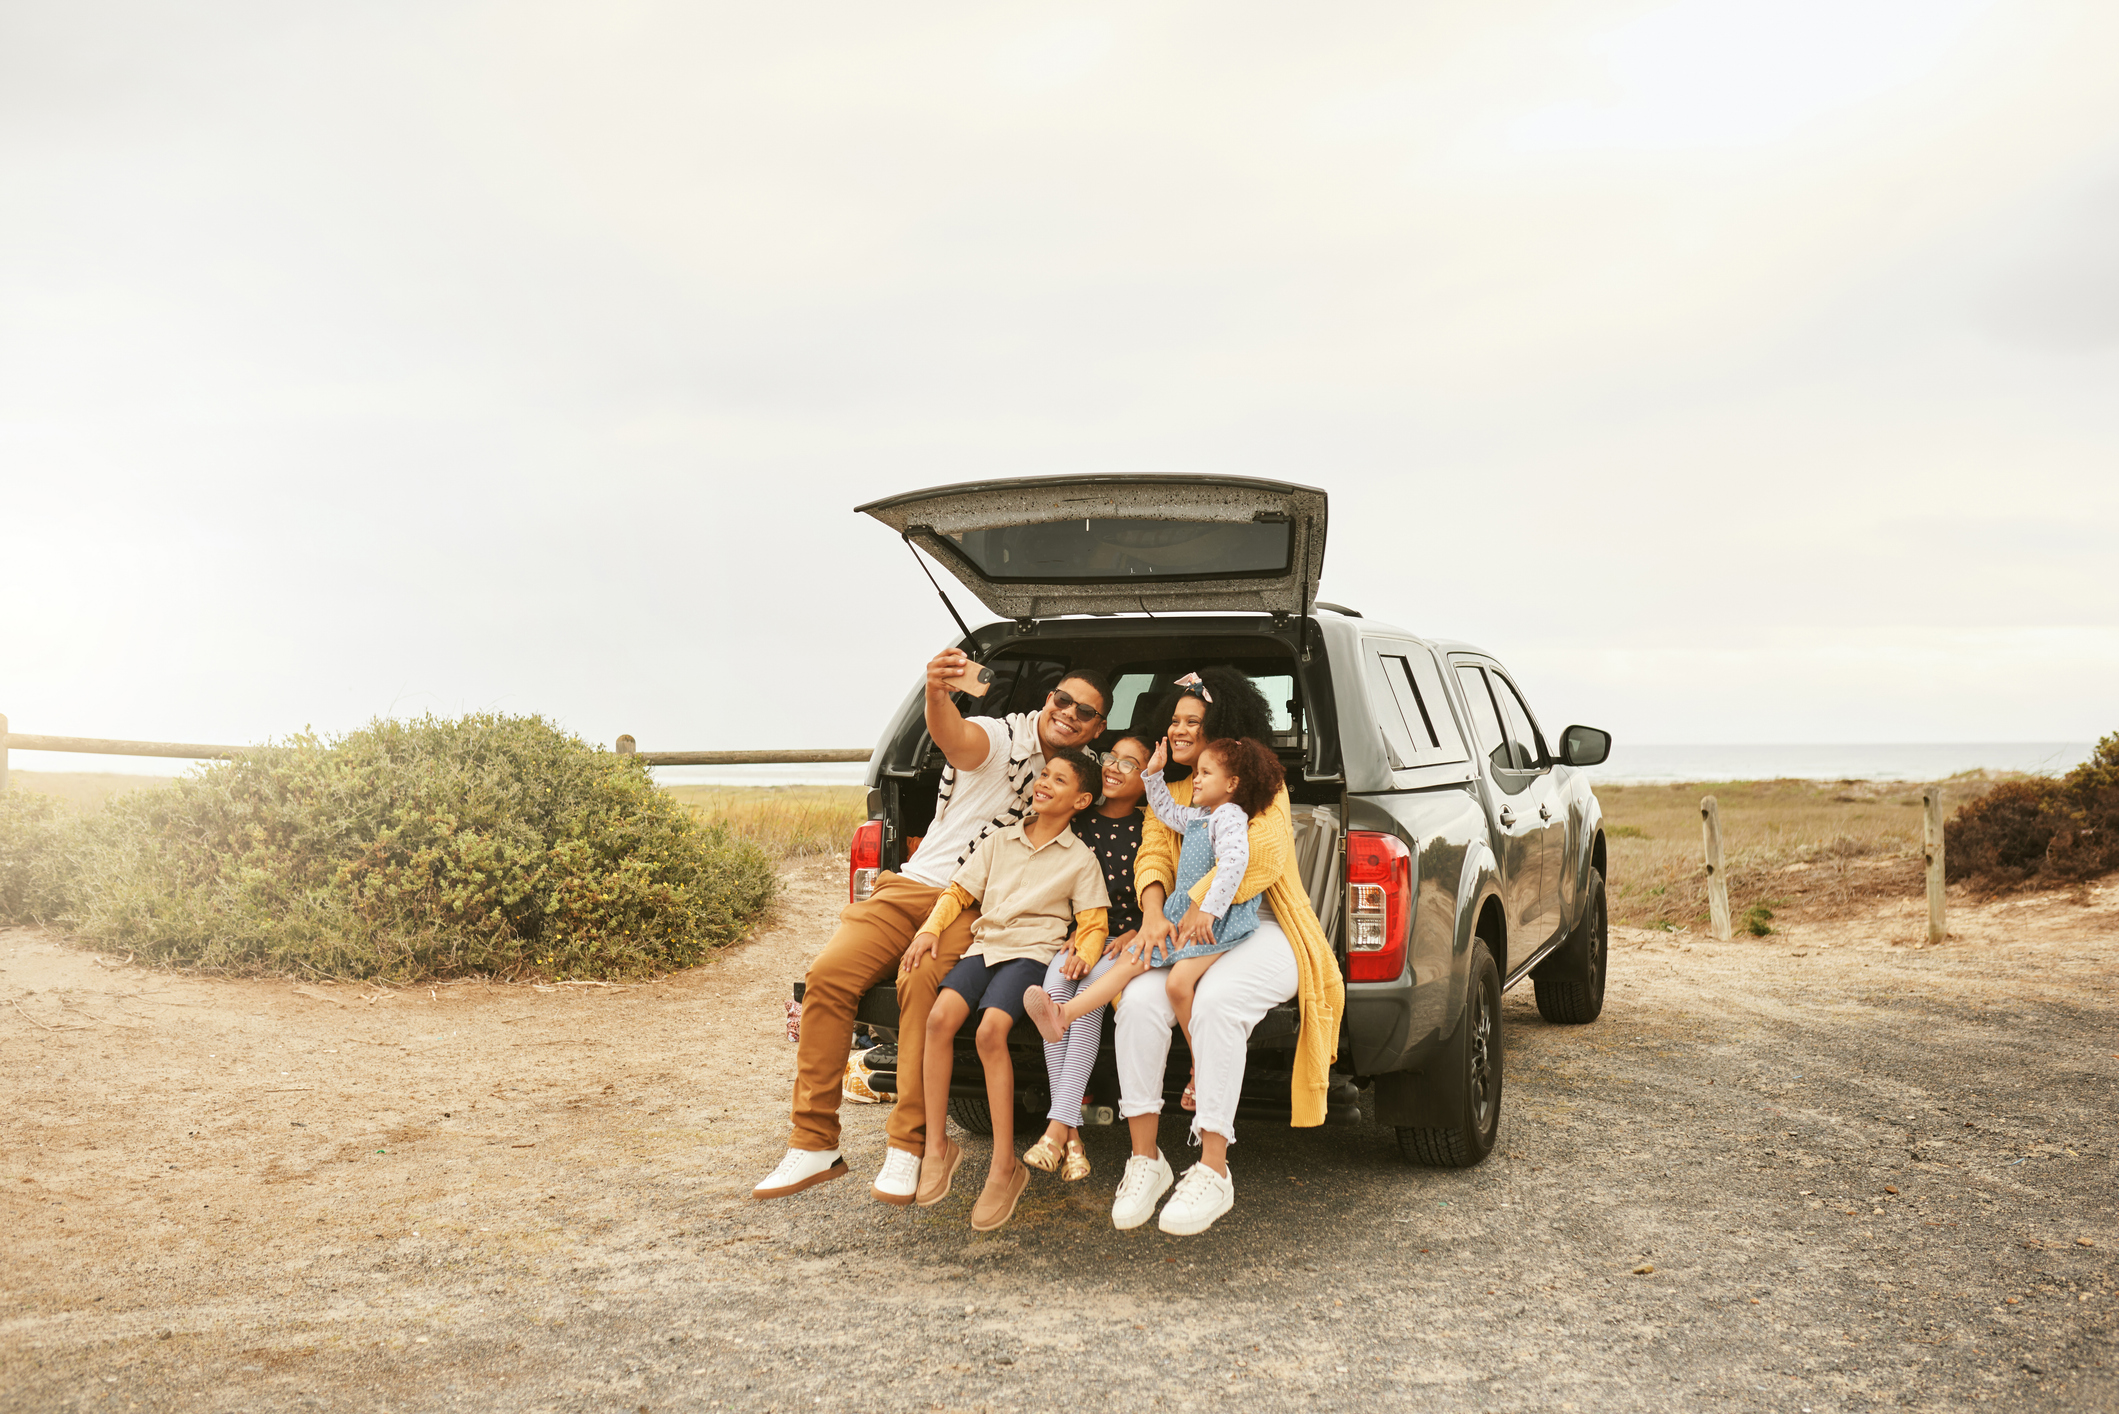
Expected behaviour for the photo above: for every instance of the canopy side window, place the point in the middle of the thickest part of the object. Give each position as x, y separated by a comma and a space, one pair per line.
1398, 741
1417, 684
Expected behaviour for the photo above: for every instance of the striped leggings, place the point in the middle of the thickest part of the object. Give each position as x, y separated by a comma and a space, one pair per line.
1069, 1059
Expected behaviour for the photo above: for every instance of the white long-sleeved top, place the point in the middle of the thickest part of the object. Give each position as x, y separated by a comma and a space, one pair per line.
1228, 829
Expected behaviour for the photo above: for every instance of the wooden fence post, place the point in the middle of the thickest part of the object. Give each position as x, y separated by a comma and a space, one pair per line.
1717, 885
1931, 818
3, 751
626, 745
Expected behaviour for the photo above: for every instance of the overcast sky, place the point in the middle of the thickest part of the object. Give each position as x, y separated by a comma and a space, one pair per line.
1736, 370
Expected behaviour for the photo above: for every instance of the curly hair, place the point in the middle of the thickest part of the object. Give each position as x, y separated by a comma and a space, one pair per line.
1238, 710
1255, 767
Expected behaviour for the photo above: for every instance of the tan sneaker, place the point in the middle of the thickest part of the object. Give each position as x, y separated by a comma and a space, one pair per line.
997, 1203
936, 1170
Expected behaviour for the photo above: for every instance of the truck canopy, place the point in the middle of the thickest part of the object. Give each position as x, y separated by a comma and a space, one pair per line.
1042, 546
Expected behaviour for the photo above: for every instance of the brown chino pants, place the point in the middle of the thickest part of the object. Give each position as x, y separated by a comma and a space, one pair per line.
864, 952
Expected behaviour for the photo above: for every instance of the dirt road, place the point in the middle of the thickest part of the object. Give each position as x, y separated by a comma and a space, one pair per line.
1812, 1171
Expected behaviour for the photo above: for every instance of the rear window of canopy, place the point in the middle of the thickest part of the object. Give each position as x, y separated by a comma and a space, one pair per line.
1119, 549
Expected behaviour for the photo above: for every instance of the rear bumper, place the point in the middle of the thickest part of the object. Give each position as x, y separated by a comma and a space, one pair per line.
1378, 1037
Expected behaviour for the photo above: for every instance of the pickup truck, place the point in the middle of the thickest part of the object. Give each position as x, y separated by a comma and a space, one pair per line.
1450, 846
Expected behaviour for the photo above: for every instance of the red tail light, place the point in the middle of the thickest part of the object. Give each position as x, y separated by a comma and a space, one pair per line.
1379, 905
866, 862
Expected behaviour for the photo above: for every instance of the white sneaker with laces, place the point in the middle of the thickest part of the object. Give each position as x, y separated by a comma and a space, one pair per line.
1144, 1181
899, 1178
1202, 1196
800, 1169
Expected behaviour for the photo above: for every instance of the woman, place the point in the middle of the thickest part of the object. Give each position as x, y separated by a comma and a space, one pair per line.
1112, 832
1287, 956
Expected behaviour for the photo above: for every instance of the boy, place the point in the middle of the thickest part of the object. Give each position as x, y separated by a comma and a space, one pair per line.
1031, 882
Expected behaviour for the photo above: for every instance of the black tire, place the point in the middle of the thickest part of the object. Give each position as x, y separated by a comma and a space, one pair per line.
1472, 1064
973, 1116
1570, 983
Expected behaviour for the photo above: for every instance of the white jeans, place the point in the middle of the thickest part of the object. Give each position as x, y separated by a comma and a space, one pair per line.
1251, 979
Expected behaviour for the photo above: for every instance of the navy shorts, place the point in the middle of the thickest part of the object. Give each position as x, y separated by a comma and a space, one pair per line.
997, 988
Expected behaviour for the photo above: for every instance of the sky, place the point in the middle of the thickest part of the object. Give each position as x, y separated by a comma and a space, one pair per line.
1734, 370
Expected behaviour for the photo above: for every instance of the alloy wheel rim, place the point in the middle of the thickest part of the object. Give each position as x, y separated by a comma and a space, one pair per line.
1481, 1039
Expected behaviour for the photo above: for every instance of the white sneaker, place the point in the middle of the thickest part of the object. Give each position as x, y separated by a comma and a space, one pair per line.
1145, 1180
800, 1169
899, 1179
1202, 1196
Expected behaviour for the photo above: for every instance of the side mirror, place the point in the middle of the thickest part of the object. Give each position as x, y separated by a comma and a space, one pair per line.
1584, 746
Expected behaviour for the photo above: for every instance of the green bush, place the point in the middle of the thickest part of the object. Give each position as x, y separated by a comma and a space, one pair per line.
35, 860
492, 844
2040, 831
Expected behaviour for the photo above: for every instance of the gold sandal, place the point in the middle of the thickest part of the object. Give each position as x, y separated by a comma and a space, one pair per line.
1044, 1155
1077, 1166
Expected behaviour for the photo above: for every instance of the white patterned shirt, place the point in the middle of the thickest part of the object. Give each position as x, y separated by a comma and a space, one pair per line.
973, 804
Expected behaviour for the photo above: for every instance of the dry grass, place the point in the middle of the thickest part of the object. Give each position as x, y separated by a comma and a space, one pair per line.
1823, 846
84, 790
788, 822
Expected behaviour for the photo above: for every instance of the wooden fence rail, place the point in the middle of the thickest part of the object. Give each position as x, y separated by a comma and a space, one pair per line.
194, 751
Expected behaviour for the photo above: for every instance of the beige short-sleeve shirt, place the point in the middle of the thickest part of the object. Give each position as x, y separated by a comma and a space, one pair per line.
1028, 894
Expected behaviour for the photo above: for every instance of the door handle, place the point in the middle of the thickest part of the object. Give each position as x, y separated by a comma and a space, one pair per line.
1508, 816
1545, 812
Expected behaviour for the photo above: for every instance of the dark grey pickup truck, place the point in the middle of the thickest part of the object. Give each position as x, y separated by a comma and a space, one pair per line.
1450, 846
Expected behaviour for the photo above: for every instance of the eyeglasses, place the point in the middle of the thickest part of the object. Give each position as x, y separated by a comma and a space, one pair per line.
1080, 711
1124, 765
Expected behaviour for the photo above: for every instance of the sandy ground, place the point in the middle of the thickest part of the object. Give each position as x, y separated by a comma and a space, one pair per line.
1821, 1170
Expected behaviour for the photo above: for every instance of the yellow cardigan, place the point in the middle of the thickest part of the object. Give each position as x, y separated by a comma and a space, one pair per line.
1320, 991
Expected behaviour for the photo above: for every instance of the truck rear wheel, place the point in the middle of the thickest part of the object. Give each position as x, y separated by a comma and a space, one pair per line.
973, 1116
974, 1113
1570, 983
1471, 1066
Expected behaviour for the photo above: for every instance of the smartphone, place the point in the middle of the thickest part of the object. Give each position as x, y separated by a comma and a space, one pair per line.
976, 679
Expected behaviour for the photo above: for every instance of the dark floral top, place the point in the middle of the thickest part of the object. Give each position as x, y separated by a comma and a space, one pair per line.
1115, 843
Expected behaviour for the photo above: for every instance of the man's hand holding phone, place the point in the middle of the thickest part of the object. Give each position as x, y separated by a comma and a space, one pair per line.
951, 670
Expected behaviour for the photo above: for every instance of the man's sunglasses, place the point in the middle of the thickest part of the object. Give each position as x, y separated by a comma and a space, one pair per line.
1080, 711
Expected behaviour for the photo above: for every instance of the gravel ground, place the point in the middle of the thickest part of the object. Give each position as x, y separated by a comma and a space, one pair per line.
1818, 1171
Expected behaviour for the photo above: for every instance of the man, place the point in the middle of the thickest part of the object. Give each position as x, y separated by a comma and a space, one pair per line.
993, 763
